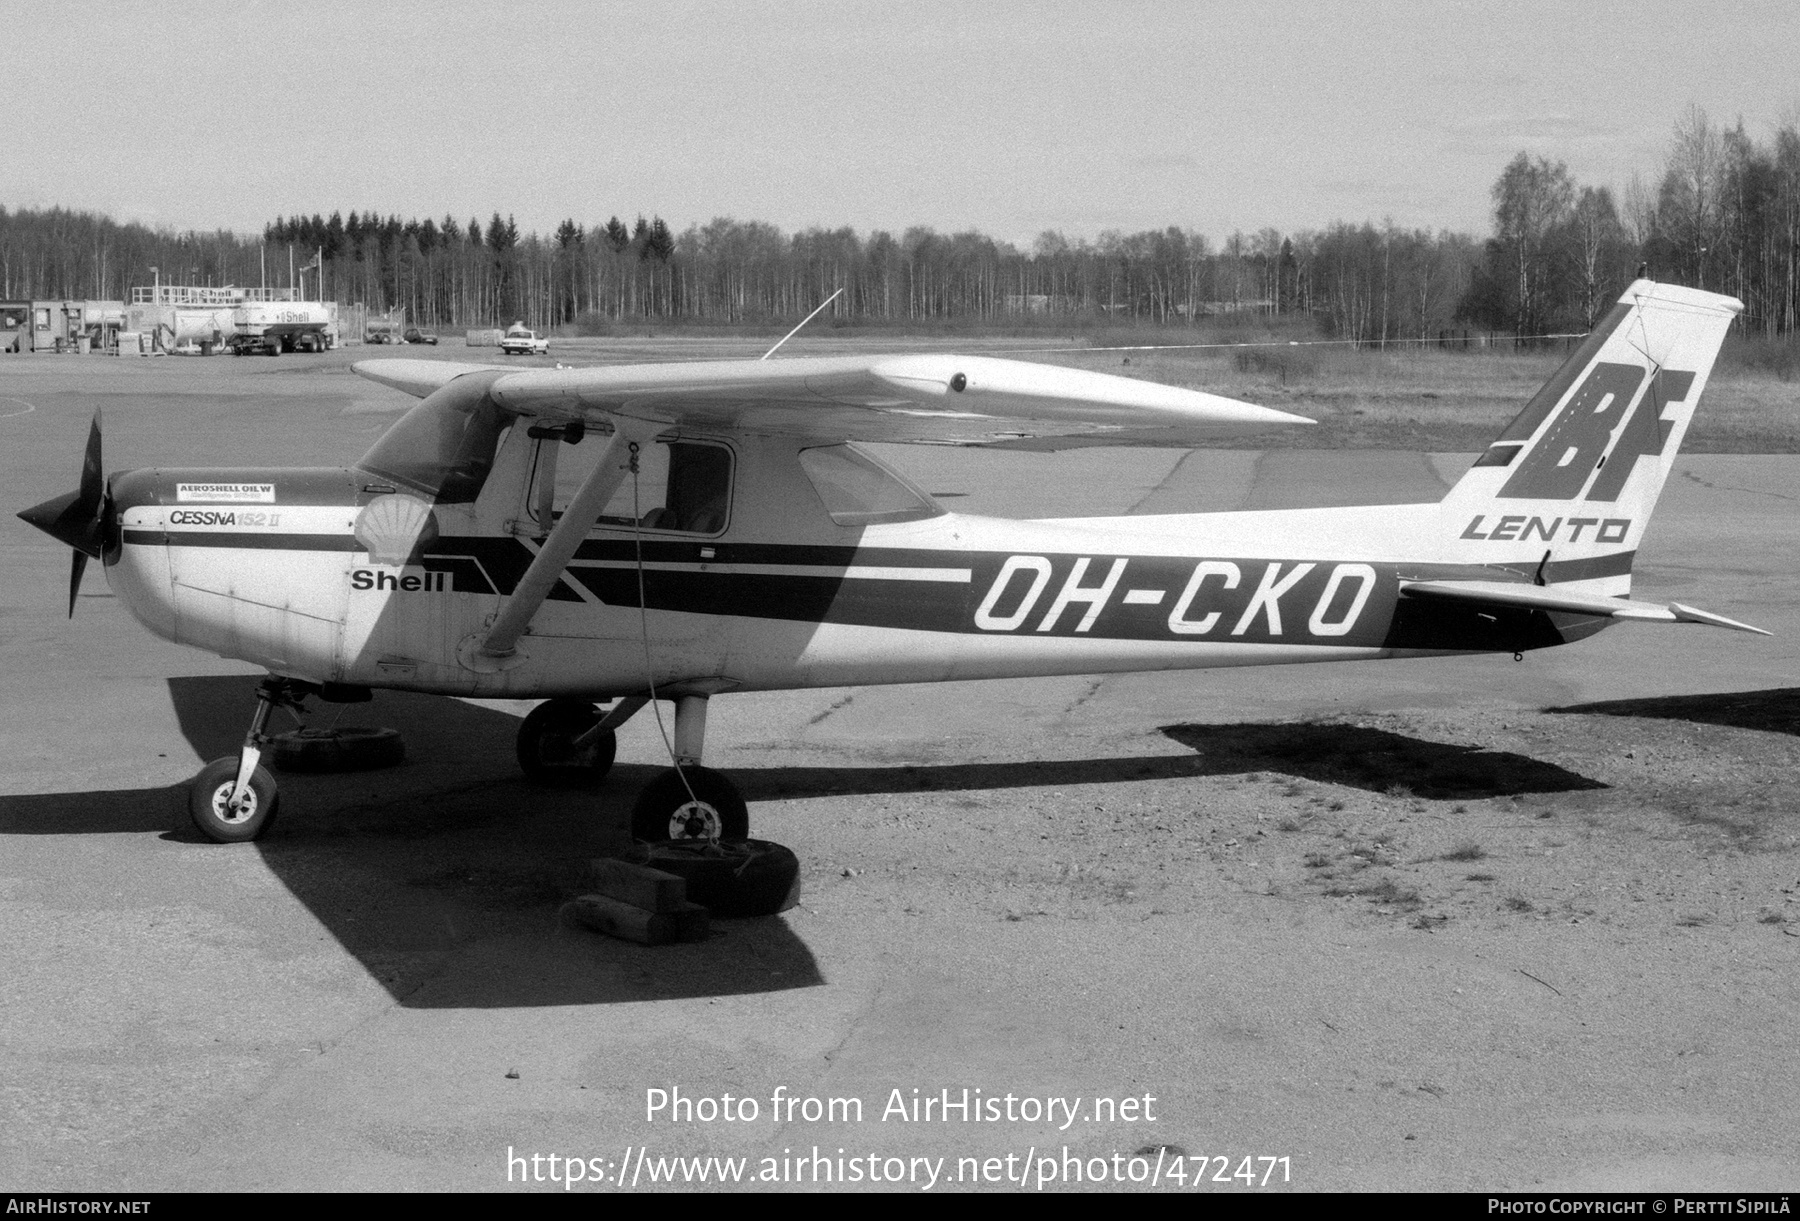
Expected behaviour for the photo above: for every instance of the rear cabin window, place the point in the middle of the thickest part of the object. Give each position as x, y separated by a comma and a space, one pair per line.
857, 490
683, 486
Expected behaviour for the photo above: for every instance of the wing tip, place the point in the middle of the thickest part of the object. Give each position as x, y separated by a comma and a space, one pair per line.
415, 376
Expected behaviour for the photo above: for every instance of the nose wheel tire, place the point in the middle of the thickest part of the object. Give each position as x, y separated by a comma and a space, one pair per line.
546, 749
209, 802
667, 810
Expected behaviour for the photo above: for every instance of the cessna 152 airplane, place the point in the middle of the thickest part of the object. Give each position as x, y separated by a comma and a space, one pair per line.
680, 531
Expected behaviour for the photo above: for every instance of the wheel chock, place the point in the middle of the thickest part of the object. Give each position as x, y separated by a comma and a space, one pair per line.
638, 903
616, 918
639, 885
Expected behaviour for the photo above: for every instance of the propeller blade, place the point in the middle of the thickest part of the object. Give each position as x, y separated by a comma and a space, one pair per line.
75, 571
93, 477
84, 519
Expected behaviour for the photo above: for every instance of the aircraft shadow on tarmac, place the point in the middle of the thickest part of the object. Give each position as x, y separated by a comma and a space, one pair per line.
1351, 755
1376, 760
1776, 710
443, 876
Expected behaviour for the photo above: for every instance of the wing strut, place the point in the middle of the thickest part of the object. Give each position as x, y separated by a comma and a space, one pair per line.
547, 568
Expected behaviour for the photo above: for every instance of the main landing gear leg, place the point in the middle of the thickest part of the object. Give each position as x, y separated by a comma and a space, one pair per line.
690, 730
690, 802
234, 798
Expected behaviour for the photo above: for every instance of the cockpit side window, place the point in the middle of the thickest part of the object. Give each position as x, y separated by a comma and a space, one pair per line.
699, 490
857, 490
680, 485
445, 445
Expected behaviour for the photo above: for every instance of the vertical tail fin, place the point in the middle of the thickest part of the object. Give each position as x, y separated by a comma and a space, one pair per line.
1567, 489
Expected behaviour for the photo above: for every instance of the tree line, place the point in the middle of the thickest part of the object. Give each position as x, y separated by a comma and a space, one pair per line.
1724, 215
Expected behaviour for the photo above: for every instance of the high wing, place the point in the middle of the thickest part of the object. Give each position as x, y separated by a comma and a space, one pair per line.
941, 399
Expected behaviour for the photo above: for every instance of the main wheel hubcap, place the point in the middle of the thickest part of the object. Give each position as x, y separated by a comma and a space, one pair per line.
695, 820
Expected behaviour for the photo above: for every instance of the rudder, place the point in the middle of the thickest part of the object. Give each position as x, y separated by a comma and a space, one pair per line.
1569, 486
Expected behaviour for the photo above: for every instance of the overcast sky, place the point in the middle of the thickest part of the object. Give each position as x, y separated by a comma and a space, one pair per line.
1009, 118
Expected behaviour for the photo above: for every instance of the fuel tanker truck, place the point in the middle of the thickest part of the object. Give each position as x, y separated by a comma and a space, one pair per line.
274, 327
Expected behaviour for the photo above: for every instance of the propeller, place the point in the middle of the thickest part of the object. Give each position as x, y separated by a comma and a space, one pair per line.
84, 518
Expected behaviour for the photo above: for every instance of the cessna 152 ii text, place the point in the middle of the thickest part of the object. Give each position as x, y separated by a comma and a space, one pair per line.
614, 535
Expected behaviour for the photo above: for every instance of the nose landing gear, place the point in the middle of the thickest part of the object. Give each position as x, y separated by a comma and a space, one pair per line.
233, 800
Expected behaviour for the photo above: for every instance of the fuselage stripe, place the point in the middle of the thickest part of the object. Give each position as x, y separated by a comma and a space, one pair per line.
853, 572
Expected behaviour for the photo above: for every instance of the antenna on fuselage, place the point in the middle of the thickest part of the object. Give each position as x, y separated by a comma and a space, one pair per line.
833, 297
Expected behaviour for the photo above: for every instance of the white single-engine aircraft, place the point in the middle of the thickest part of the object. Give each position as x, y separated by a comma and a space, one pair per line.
679, 531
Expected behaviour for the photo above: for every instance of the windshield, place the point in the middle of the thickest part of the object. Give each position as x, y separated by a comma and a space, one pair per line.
859, 491
445, 445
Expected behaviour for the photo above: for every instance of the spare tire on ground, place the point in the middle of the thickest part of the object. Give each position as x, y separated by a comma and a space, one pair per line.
745, 877
344, 749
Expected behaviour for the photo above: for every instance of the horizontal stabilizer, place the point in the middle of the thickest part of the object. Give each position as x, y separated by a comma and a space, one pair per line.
1552, 598
1690, 614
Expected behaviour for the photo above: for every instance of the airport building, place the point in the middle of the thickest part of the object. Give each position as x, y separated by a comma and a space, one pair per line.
59, 326
174, 318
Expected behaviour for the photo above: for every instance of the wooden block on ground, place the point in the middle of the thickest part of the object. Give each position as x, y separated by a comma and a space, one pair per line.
605, 914
639, 885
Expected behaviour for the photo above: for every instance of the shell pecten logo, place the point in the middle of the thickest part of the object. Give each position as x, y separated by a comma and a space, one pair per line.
394, 529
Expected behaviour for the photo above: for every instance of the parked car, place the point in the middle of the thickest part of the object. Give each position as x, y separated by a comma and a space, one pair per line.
520, 342
415, 335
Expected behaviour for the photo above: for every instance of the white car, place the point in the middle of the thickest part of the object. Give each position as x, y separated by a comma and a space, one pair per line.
524, 343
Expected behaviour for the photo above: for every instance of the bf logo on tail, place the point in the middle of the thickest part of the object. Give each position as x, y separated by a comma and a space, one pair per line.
1573, 448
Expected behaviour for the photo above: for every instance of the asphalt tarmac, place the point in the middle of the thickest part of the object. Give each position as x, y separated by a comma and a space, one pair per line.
1032, 890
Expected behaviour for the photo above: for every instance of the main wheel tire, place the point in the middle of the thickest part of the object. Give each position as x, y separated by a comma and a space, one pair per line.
352, 748
667, 810
747, 877
209, 795
545, 744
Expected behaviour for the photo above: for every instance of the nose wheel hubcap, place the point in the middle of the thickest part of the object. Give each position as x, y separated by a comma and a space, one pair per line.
223, 810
